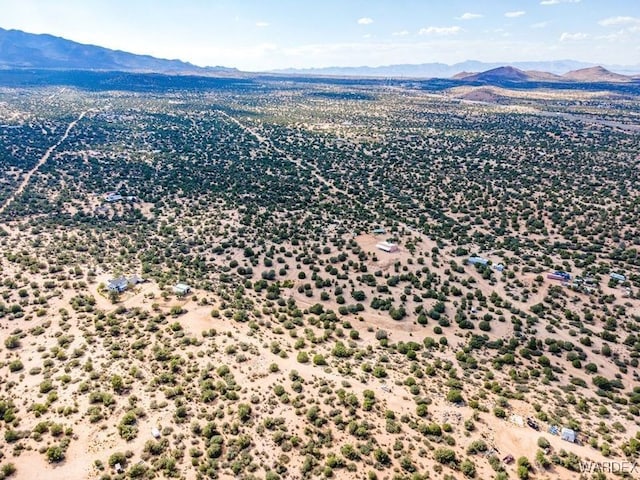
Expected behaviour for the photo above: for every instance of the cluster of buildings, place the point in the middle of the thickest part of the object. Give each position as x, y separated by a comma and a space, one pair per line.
585, 284
566, 434
565, 277
385, 246
112, 197
122, 283
475, 260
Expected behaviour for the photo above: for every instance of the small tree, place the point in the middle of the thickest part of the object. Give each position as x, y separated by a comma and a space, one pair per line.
7, 470
12, 342
381, 335
114, 296
244, 412
381, 457
454, 396
468, 468
117, 383
117, 457
524, 467
543, 442
358, 295
55, 454
319, 360
446, 456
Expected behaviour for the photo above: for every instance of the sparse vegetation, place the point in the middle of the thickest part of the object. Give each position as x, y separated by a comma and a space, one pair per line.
299, 348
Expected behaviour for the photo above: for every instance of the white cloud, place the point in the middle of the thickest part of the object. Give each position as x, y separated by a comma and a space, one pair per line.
440, 30
469, 16
519, 13
567, 37
556, 2
612, 37
540, 25
401, 33
365, 21
262, 24
616, 21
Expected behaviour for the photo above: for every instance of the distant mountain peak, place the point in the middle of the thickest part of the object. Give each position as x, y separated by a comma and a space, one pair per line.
510, 74
461, 75
595, 74
504, 73
20, 49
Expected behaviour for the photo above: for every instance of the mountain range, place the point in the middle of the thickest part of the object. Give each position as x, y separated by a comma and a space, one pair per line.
442, 70
511, 74
21, 50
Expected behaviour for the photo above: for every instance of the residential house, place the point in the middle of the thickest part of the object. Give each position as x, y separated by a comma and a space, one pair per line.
135, 279
618, 277
119, 284
112, 197
181, 289
477, 261
387, 247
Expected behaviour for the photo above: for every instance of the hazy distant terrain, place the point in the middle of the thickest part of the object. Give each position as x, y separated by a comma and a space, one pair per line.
22, 50
441, 70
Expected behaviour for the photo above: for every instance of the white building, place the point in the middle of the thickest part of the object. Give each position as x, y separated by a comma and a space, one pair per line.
387, 247
477, 260
181, 289
112, 197
618, 277
568, 435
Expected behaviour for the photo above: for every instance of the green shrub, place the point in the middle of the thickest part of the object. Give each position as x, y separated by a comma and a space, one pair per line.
468, 468
12, 342
477, 446
381, 457
454, 396
55, 454
15, 366
445, 456
319, 360
7, 470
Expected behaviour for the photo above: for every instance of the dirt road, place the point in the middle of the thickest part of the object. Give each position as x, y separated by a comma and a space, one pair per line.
42, 161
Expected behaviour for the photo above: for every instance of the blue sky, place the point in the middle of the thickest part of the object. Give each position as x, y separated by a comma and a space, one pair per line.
268, 34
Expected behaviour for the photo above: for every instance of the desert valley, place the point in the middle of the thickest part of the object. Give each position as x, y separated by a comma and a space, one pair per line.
287, 277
